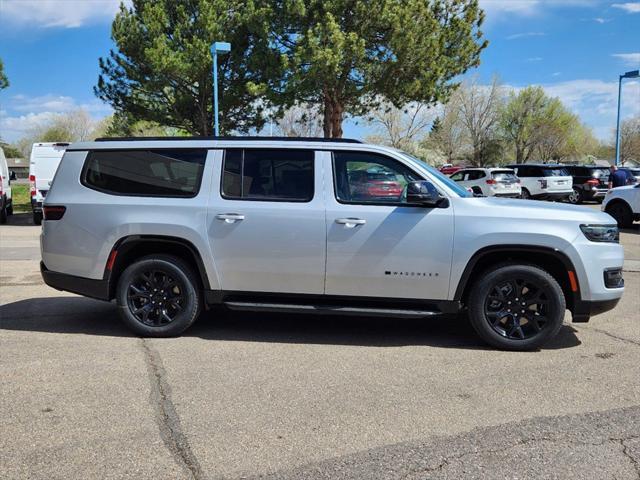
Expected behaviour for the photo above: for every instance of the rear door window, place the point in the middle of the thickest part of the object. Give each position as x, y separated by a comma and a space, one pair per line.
154, 173
268, 175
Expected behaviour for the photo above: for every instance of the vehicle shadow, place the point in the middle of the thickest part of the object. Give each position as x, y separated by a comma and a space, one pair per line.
635, 229
20, 220
91, 317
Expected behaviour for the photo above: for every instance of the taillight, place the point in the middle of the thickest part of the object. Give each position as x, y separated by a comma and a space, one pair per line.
491, 181
53, 212
594, 182
32, 185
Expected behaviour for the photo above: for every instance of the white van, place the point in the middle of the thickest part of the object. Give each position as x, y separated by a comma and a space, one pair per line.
6, 205
45, 158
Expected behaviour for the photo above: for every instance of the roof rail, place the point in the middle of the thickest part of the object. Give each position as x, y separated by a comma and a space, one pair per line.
239, 139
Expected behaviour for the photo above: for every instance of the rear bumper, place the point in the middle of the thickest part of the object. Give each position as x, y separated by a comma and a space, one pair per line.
555, 195
583, 310
82, 286
590, 194
36, 206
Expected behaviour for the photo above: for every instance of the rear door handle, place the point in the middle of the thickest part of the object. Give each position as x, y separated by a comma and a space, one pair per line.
351, 222
230, 217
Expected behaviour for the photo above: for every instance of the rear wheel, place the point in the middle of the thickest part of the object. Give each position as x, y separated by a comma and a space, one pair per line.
621, 213
575, 197
37, 218
525, 194
516, 307
159, 296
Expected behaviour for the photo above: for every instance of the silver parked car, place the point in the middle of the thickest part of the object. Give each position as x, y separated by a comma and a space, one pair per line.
167, 227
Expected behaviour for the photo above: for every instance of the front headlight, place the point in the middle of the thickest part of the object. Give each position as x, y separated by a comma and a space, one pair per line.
601, 233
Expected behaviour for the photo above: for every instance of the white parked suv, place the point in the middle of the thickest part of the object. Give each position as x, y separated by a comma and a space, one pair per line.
167, 227
623, 204
544, 181
490, 182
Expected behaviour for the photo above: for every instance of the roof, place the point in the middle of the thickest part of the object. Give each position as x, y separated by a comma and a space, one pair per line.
230, 139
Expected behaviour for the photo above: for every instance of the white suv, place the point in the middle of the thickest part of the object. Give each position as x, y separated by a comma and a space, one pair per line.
623, 204
169, 227
490, 182
544, 181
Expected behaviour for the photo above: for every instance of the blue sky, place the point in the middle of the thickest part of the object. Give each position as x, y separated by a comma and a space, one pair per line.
575, 49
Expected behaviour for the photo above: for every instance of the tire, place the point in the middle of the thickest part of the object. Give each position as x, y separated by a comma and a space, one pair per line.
37, 218
525, 194
576, 197
3, 215
136, 295
540, 318
10, 209
621, 213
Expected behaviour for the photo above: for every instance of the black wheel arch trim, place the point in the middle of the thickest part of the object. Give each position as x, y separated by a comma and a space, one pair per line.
511, 248
126, 244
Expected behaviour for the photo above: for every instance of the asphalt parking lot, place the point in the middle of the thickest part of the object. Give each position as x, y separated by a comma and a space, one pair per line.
244, 395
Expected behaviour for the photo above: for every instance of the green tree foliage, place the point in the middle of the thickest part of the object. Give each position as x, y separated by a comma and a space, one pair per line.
536, 125
4, 81
161, 70
349, 56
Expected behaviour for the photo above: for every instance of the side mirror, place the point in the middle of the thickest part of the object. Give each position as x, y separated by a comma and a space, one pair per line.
425, 194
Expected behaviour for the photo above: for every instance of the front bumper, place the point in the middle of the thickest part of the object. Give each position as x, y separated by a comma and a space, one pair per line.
87, 287
556, 195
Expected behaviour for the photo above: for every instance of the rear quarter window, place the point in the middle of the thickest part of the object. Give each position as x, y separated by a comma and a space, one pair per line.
154, 173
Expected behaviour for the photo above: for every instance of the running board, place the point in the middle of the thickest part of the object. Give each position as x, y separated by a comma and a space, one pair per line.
329, 310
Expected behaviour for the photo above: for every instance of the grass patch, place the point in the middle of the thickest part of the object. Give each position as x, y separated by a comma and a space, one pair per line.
21, 198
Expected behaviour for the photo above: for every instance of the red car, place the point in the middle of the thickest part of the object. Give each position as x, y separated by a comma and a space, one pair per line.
373, 185
449, 169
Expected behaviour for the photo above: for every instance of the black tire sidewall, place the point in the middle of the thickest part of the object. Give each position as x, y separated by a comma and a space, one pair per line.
622, 214
37, 218
532, 273
525, 194
179, 270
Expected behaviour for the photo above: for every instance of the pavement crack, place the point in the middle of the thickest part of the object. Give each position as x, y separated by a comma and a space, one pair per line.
166, 416
626, 453
617, 337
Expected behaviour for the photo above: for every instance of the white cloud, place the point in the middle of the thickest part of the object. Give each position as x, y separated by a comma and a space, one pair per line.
601, 20
525, 34
556, 74
629, 7
56, 13
23, 113
629, 59
506, 8
534, 59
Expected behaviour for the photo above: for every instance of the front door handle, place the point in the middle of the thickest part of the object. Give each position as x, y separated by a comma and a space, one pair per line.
351, 222
230, 217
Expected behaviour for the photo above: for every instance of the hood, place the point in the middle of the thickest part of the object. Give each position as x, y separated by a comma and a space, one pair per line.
537, 209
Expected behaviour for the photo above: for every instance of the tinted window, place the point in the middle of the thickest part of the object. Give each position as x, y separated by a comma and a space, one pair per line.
555, 172
160, 173
285, 175
362, 177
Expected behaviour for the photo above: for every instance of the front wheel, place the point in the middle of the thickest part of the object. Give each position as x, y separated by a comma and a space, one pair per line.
516, 307
621, 213
159, 296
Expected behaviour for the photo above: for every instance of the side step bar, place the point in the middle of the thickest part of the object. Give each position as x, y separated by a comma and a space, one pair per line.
329, 310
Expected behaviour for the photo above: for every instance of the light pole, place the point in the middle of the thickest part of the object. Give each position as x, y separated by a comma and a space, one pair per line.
631, 74
216, 48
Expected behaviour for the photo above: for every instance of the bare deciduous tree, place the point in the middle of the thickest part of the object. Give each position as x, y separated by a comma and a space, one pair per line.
480, 114
630, 140
402, 128
300, 121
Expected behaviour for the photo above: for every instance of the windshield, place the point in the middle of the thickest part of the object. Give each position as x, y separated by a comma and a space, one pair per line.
460, 191
555, 172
